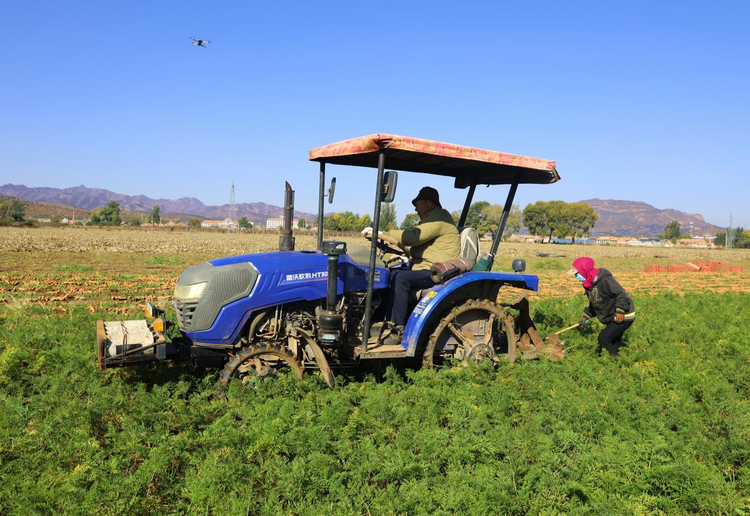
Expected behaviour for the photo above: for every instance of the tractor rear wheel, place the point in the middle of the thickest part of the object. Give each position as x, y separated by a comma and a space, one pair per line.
475, 330
261, 360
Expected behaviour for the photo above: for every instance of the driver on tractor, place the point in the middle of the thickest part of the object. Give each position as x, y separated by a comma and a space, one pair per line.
435, 239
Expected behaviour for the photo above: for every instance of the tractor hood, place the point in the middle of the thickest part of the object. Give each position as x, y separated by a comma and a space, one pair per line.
241, 284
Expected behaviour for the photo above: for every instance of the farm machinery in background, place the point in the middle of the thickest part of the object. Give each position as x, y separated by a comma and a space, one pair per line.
258, 314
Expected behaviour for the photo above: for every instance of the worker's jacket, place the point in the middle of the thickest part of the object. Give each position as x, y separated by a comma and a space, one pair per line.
607, 297
434, 240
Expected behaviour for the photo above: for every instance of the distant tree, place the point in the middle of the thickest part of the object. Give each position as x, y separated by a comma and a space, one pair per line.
671, 231
456, 216
740, 238
580, 218
194, 223
410, 221
155, 216
331, 222
135, 222
492, 214
387, 217
12, 209
475, 218
347, 221
243, 223
108, 215
540, 218
301, 224
365, 221
559, 219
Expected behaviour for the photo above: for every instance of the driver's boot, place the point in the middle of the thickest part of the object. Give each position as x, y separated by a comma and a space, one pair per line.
395, 335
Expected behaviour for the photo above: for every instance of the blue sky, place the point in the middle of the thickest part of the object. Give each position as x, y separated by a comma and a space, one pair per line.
642, 101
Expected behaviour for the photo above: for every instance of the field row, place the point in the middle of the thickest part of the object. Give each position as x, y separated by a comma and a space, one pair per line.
116, 240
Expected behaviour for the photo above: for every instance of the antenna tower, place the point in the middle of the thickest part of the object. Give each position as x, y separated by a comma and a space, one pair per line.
231, 205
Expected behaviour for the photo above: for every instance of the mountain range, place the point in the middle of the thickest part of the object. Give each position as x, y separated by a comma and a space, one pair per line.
628, 218
634, 218
85, 198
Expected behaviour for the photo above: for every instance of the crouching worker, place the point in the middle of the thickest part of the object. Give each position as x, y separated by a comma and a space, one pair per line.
608, 301
435, 239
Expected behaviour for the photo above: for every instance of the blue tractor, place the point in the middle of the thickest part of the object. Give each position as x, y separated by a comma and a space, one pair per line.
258, 314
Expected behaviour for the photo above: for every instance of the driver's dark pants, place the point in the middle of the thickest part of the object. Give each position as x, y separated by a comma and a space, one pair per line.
402, 283
610, 337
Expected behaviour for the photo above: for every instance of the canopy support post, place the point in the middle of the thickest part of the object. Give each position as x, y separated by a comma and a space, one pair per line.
504, 218
373, 251
467, 205
321, 194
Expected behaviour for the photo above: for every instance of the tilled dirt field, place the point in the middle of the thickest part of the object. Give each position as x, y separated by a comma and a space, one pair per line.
116, 240
118, 269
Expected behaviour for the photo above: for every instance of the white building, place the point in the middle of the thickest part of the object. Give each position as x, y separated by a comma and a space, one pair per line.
226, 223
278, 222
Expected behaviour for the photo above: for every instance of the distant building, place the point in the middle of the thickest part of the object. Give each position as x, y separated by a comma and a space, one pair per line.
226, 223
278, 222
697, 242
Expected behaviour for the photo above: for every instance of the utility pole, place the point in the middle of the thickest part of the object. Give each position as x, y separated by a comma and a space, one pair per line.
231, 206
730, 233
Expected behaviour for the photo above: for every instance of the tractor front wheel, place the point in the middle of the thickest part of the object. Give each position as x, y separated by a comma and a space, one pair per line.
261, 360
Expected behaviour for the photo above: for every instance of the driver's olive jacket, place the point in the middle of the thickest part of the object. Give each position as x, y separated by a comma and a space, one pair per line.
434, 240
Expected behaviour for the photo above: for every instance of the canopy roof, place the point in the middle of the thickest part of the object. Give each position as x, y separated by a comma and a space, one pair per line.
469, 165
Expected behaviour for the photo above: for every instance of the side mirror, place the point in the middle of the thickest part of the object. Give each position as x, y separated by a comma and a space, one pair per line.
388, 193
331, 190
519, 265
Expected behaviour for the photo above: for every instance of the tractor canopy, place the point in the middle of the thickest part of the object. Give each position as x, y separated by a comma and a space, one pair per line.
468, 165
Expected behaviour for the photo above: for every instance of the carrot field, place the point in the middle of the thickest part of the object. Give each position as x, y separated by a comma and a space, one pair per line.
662, 429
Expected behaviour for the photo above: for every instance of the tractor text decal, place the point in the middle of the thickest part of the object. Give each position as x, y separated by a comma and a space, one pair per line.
301, 277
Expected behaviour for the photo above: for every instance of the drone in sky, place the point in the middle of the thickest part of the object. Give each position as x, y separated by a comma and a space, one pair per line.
199, 42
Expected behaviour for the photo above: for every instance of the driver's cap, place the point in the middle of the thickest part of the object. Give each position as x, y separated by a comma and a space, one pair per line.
427, 193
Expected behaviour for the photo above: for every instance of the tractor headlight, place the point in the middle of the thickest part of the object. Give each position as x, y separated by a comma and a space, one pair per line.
190, 293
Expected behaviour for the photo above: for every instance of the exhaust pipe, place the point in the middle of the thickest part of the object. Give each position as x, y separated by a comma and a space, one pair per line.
331, 322
286, 240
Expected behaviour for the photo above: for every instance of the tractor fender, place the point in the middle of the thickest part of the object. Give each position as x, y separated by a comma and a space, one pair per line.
441, 298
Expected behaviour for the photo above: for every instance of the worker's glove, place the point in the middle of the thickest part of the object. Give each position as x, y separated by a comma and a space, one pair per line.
367, 232
584, 320
395, 261
619, 317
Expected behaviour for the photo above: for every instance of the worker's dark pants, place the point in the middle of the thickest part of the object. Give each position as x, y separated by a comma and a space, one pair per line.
611, 336
403, 282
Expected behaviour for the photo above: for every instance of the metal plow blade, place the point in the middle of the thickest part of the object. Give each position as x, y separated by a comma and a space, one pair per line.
530, 344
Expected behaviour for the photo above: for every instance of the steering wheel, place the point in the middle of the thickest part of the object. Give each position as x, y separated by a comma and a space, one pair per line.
388, 244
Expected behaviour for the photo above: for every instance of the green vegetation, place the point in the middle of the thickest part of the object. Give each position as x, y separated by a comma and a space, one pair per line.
72, 267
559, 219
485, 218
11, 210
347, 221
410, 221
155, 215
663, 429
672, 231
163, 260
108, 215
739, 238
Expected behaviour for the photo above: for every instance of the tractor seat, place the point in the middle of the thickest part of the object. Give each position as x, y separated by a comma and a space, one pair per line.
470, 244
